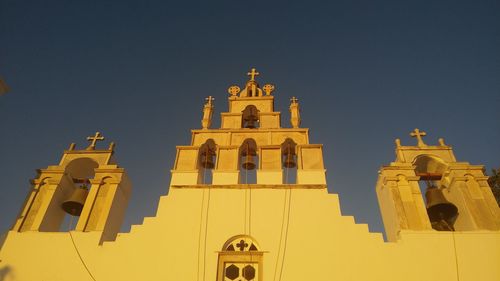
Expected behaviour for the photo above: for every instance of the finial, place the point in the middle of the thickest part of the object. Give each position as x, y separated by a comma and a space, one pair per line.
94, 139
398, 142
209, 100
268, 89
441, 142
111, 146
233, 90
207, 113
418, 134
72, 146
252, 74
294, 113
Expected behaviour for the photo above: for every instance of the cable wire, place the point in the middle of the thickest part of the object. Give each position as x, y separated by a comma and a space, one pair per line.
456, 255
206, 233
286, 195
80, 257
286, 231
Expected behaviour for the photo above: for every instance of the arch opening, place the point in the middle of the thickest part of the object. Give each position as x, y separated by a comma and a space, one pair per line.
249, 160
250, 117
441, 212
80, 171
206, 161
289, 161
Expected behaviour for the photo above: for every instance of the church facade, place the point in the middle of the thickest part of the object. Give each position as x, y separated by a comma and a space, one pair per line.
249, 201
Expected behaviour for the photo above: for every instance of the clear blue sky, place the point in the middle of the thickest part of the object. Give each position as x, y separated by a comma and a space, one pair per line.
365, 72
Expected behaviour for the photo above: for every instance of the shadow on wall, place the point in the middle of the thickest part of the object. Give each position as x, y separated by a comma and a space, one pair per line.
6, 274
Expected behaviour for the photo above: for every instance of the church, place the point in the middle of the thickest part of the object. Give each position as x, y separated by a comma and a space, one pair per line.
248, 202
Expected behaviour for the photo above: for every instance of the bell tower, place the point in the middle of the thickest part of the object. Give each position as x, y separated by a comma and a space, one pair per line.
87, 185
457, 196
251, 137
251, 158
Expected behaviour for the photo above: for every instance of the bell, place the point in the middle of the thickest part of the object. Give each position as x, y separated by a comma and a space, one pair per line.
74, 204
250, 122
442, 213
249, 163
289, 161
207, 162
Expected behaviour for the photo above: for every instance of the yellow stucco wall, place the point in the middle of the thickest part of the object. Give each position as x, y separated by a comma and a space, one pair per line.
321, 244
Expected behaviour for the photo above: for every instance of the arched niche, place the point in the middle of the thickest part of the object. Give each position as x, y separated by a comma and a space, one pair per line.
207, 155
80, 171
250, 117
441, 212
248, 161
289, 160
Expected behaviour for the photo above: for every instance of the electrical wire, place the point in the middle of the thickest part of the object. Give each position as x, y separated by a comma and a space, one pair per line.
286, 231
201, 227
287, 195
250, 202
80, 257
456, 255
206, 226
199, 235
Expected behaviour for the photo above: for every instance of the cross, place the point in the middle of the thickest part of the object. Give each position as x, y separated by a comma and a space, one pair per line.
416, 133
252, 74
294, 100
209, 100
242, 245
93, 140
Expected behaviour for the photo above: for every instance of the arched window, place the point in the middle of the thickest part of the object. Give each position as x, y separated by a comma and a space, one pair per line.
289, 158
249, 160
206, 161
250, 117
240, 259
442, 213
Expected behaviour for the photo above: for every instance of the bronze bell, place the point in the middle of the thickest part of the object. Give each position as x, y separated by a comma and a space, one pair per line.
442, 213
74, 204
250, 122
207, 160
289, 161
249, 163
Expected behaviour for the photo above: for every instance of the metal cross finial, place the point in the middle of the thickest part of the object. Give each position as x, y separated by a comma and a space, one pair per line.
418, 134
294, 100
242, 245
209, 100
252, 74
94, 139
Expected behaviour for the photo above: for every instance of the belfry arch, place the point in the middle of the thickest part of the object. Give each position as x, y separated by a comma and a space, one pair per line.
249, 160
289, 160
207, 157
81, 168
250, 117
441, 212
82, 172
